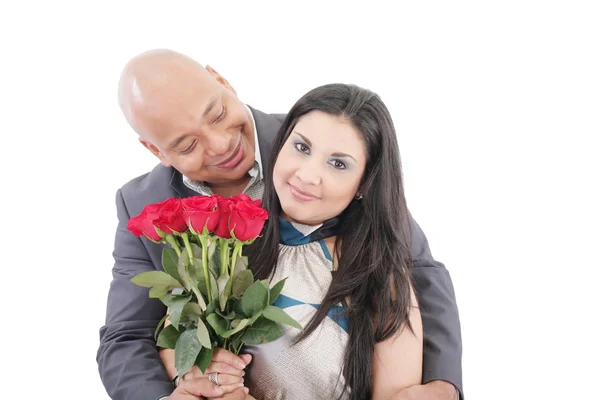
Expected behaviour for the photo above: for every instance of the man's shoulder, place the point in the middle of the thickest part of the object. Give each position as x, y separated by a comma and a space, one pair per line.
279, 117
272, 120
151, 187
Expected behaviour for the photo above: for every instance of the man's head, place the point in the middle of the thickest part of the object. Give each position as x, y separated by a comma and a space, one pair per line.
188, 116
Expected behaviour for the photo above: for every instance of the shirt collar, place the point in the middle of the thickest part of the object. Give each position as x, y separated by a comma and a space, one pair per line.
257, 156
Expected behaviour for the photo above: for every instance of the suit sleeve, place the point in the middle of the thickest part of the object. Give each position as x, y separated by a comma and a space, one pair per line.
442, 350
128, 360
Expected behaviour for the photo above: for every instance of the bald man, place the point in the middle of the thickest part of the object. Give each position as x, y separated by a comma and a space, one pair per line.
209, 142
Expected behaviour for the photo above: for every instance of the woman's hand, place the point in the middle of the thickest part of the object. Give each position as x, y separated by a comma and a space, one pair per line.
228, 366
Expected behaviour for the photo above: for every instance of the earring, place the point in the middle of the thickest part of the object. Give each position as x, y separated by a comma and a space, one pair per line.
358, 196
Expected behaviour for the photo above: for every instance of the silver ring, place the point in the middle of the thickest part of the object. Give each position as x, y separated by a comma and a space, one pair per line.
214, 378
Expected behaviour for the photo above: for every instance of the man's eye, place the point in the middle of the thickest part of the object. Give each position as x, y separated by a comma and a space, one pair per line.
302, 148
222, 115
189, 148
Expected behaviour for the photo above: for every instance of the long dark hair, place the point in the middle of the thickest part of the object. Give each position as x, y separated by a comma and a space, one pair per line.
372, 247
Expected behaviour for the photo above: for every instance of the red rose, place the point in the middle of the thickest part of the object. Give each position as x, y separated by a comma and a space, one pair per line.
224, 208
247, 220
170, 219
200, 211
143, 224
245, 198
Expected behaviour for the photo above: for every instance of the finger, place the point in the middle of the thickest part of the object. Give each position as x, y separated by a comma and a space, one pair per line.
231, 388
227, 357
199, 387
239, 394
223, 368
225, 379
247, 358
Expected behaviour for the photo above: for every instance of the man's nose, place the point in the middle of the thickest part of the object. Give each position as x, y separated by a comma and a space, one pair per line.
217, 143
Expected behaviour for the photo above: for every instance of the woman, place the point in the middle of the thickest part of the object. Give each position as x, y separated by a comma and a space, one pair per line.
335, 182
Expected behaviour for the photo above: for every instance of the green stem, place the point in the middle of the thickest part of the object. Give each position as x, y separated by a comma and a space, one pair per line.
204, 242
237, 351
188, 247
173, 242
236, 249
224, 245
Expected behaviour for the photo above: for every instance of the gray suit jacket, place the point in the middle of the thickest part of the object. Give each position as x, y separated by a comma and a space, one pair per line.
128, 361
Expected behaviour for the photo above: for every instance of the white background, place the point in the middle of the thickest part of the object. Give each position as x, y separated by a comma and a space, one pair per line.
496, 106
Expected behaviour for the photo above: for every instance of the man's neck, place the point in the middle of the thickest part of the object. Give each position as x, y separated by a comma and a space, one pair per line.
230, 188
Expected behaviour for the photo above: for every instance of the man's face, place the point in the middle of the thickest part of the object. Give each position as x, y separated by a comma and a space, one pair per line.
201, 129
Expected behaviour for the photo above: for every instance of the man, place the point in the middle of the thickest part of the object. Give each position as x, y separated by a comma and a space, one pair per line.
208, 142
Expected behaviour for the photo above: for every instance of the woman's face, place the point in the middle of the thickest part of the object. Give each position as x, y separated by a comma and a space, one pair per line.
319, 169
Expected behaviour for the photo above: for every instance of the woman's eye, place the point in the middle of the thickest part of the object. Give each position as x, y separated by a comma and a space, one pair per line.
337, 164
302, 148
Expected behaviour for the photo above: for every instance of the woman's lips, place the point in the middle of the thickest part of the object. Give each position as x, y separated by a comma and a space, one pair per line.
301, 195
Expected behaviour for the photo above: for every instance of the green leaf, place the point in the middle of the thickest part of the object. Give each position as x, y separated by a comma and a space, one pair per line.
214, 257
166, 299
203, 335
192, 309
176, 308
191, 312
158, 291
258, 315
160, 326
197, 254
229, 316
237, 308
186, 279
265, 282
212, 307
262, 331
239, 326
149, 279
168, 337
222, 282
196, 251
275, 290
201, 281
191, 284
186, 351
222, 286
255, 299
204, 358
242, 282
169, 260
241, 264
214, 286
212, 247
217, 323
276, 314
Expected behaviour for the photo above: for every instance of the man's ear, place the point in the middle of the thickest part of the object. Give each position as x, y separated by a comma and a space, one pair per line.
154, 150
220, 79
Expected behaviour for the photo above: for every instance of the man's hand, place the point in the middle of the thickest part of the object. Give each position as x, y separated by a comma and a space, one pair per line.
201, 388
434, 390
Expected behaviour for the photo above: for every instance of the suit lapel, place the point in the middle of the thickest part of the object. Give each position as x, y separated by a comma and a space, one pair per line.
267, 127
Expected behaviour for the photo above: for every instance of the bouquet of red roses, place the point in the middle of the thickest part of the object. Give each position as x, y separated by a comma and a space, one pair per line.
212, 298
